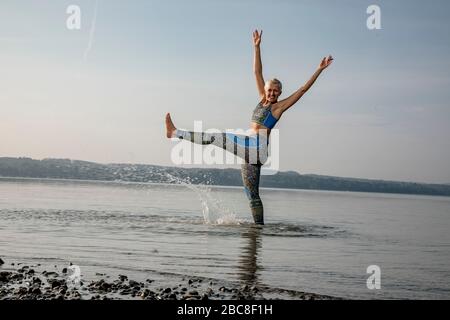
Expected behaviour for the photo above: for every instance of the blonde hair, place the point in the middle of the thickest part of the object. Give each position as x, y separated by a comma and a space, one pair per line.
274, 81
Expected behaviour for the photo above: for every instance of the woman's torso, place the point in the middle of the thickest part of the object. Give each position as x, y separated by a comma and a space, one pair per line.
255, 126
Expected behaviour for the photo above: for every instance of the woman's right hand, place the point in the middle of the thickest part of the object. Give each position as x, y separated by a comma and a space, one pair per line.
257, 38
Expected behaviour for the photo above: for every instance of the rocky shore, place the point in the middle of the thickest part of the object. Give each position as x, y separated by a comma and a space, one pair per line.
30, 282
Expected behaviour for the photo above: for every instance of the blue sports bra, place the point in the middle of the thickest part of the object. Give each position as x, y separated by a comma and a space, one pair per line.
263, 115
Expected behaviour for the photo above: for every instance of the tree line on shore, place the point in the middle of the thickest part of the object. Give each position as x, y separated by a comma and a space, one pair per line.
84, 170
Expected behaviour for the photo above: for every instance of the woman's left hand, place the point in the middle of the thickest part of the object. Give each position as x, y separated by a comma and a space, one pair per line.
326, 61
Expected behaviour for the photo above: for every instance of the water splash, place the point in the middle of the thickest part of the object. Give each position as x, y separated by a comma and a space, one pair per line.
213, 209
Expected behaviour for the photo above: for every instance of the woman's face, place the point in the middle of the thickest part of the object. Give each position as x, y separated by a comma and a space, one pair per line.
272, 92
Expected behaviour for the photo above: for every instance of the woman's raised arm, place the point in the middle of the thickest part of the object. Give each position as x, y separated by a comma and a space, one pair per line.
285, 104
257, 64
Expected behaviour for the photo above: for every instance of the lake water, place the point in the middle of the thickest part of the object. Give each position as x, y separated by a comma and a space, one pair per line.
313, 241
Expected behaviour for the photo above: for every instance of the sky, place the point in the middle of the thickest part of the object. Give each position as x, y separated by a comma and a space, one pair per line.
100, 93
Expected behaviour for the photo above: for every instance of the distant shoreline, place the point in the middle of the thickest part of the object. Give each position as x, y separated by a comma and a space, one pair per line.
77, 170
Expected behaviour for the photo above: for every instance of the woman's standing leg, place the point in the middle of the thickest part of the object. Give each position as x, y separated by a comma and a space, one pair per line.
250, 177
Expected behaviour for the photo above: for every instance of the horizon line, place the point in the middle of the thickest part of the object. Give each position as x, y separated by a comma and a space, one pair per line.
180, 167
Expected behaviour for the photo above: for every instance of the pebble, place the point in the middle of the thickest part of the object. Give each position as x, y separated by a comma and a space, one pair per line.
122, 277
50, 274
145, 293
105, 286
37, 280
36, 291
5, 276
56, 283
133, 283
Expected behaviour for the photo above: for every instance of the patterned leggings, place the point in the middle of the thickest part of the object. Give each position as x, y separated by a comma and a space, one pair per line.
252, 149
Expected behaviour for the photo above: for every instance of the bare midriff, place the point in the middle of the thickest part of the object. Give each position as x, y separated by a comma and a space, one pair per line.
255, 127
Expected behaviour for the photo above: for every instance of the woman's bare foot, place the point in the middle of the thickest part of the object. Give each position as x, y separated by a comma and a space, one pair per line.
170, 128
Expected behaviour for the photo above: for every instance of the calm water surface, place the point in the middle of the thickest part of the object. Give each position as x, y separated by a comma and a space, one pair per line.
314, 241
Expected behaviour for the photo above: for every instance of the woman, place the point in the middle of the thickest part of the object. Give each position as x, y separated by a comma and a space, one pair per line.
253, 148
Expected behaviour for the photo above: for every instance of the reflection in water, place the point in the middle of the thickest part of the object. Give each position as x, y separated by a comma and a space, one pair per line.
248, 260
